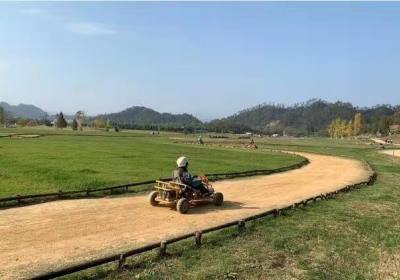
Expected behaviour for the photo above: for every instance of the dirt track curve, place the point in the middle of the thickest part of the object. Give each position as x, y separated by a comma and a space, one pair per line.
51, 235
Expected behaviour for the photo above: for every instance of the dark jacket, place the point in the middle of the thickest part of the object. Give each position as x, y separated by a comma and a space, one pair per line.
183, 176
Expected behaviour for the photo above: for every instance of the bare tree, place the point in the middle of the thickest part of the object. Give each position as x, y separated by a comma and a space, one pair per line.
80, 118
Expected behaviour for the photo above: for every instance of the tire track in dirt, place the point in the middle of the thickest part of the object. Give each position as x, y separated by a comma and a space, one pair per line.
52, 235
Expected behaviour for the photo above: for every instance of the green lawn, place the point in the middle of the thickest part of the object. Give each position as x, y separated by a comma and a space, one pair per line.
72, 161
354, 236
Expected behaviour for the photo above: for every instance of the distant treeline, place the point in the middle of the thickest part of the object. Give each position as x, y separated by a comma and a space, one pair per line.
314, 117
310, 118
147, 119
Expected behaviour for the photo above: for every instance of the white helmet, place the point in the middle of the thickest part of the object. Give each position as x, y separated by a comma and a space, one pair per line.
182, 161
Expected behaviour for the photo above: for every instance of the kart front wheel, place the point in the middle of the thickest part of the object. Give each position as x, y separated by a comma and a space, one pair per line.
152, 198
218, 199
182, 206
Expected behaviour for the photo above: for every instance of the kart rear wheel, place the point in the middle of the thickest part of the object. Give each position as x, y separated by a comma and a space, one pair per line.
182, 206
152, 198
218, 199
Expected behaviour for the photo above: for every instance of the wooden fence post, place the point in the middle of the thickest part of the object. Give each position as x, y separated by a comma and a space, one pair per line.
197, 236
163, 248
121, 262
241, 224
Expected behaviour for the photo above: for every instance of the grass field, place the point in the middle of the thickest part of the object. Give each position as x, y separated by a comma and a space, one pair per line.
355, 236
64, 160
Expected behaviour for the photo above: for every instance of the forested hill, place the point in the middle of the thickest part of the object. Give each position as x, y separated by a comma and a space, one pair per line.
309, 118
23, 111
137, 117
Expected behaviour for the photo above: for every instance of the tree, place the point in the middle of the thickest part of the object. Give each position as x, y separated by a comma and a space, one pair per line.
45, 121
61, 122
108, 125
99, 123
357, 124
331, 129
3, 117
335, 129
74, 124
349, 129
339, 128
342, 128
80, 118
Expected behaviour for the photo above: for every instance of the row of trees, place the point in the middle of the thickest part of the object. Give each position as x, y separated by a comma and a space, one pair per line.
77, 123
340, 128
80, 121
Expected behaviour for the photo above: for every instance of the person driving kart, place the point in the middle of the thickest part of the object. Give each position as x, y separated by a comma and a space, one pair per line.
182, 175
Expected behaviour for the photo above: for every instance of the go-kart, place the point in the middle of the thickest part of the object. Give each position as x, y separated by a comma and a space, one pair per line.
183, 196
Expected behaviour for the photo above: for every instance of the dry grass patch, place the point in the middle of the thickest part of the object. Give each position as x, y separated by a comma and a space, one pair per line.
388, 266
387, 209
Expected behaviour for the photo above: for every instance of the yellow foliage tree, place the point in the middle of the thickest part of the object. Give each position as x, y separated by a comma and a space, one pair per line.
357, 124
331, 129
349, 129
343, 128
334, 128
339, 128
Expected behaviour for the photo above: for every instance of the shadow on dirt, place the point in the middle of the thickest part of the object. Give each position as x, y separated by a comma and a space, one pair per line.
202, 207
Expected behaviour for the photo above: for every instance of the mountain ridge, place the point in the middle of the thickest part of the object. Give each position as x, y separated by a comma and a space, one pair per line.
24, 110
140, 115
308, 118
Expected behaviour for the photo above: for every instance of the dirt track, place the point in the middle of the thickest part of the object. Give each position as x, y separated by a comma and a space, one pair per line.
48, 236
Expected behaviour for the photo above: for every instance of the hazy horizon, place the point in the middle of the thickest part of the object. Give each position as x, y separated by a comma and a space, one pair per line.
206, 59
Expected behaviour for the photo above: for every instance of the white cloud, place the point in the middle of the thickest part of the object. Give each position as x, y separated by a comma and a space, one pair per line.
90, 28
31, 11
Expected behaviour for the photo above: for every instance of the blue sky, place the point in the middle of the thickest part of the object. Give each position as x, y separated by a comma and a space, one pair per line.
209, 59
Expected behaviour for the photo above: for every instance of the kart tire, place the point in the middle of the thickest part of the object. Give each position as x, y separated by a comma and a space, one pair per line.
152, 198
182, 206
218, 199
